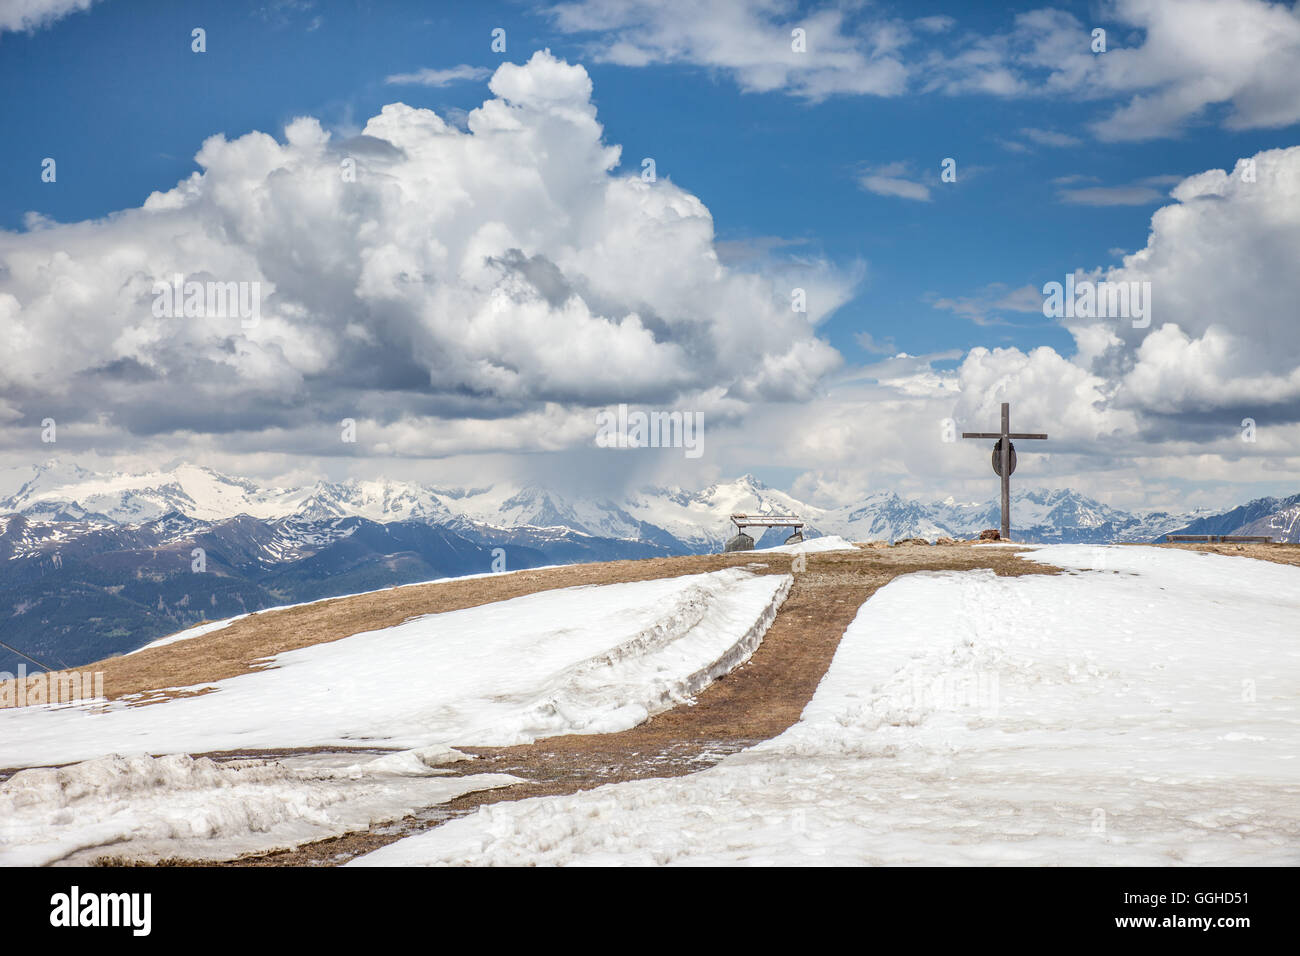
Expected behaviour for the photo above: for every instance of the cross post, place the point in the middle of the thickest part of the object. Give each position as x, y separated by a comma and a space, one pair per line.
1003, 462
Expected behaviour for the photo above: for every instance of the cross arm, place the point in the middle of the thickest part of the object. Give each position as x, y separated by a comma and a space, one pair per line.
999, 435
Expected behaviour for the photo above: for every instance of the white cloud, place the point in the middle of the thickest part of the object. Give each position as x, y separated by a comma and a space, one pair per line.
1189, 56
1044, 389
32, 15
869, 343
1220, 260
983, 306
1049, 137
1134, 415
894, 179
935, 24
1223, 335
1223, 340
1199, 53
470, 290
750, 41
439, 78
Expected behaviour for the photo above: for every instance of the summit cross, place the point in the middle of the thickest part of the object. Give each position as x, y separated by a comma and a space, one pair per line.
1004, 461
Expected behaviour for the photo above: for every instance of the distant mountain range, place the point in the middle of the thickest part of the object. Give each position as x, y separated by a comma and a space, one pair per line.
93, 564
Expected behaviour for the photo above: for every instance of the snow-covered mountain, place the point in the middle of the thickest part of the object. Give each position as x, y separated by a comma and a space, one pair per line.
58, 492
678, 520
1281, 524
1059, 515
702, 520
97, 563
1279, 518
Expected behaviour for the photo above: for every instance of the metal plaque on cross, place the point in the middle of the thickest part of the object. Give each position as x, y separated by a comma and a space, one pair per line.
997, 458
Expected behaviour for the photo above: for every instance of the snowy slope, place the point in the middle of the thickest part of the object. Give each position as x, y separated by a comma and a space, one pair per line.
210, 626
573, 660
577, 660
1142, 713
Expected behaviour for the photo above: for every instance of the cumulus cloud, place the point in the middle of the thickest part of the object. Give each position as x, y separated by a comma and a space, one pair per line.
1044, 385
1133, 413
1220, 260
1221, 335
409, 277
1244, 54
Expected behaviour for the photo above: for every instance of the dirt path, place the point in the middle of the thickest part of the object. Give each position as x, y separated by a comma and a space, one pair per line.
753, 703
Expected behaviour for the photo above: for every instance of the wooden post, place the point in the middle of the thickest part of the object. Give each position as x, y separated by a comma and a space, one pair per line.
1006, 471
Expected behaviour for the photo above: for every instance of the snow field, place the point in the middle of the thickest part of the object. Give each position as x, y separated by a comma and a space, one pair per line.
578, 660
574, 660
1144, 713
200, 630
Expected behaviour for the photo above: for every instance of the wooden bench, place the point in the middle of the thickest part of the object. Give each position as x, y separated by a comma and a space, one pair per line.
743, 542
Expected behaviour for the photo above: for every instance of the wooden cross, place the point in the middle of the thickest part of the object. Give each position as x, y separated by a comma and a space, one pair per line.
1003, 461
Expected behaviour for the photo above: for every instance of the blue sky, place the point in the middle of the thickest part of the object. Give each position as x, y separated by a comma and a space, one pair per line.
116, 95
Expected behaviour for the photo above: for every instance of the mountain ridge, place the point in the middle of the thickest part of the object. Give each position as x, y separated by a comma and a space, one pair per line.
93, 564
695, 519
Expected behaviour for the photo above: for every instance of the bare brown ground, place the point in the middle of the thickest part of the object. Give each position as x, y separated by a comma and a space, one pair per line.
755, 702
245, 645
1277, 553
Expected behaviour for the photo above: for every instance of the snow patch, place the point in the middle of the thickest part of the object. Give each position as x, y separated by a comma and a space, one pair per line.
573, 660
149, 808
812, 546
